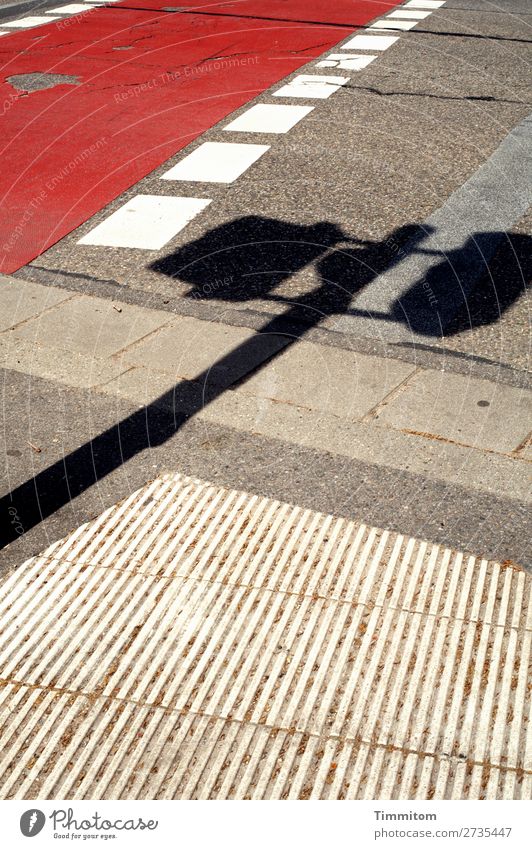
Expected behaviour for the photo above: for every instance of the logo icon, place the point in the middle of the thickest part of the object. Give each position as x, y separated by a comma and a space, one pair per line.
32, 822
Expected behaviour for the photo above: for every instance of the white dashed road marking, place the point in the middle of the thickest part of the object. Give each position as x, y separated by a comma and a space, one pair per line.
370, 42
268, 118
149, 222
71, 9
346, 63
145, 221
30, 21
409, 15
216, 162
311, 85
424, 4
386, 24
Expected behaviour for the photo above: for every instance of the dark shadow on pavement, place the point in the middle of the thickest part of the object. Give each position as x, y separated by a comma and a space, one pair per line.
245, 259
465, 289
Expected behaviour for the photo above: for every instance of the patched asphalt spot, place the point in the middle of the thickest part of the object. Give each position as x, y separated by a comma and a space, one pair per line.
37, 81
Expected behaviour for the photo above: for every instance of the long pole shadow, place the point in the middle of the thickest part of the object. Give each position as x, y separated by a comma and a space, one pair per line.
251, 257
38, 498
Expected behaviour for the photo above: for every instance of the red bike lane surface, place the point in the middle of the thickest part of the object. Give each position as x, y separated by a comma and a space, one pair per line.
144, 83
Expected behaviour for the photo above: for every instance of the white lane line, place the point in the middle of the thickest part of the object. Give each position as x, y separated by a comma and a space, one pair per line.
370, 42
346, 63
149, 222
4, 33
216, 162
70, 9
424, 4
30, 21
311, 85
386, 24
145, 221
266, 118
409, 14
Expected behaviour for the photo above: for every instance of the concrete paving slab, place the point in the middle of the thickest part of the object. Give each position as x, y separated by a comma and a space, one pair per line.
71, 368
473, 412
189, 348
90, 326
22, 299
342, 383
465, 508
365, 442
483, 364
322, 430
292, 763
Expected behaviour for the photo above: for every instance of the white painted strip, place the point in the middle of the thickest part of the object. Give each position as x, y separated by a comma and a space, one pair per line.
268, 118
147, 222
216, 162
345, 62
424, 4
30, 21
311, 85
70, 9
370, 42
385, 23
410, 15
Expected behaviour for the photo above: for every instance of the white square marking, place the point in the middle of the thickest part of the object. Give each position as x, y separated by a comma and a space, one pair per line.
266, 118
309, 85
370, 42
71, 9
346, 63
410, 15
30, 21
145, 221
424, 4
216, 162
385, 24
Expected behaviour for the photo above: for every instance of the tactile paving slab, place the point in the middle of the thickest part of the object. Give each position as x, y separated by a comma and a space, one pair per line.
198, 642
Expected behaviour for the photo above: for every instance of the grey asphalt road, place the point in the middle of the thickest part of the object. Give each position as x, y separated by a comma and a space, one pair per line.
13, 8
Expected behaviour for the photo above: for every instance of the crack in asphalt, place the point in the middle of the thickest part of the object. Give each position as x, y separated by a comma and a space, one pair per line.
484, 98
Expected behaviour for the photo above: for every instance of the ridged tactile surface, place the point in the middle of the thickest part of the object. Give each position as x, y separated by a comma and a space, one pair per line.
195, 642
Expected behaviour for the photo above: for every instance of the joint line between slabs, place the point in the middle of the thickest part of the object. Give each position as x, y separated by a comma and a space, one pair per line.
356, 740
